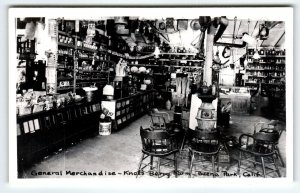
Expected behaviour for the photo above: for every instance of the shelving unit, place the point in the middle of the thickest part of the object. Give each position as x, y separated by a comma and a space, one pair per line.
66, 60
125, 110
269, 69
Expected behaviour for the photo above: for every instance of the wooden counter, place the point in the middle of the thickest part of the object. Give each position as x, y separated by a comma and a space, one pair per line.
42, 133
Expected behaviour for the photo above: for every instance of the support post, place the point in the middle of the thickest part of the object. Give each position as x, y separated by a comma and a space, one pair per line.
209, 52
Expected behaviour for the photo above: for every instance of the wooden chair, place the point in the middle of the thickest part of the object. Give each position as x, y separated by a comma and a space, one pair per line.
273, 125
160, 145
160, 120
259, 148
206, 144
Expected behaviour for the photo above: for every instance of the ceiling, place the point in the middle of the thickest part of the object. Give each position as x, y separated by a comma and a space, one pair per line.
232, 34
237, 28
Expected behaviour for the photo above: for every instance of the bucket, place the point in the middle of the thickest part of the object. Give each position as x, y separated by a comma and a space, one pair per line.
104, 128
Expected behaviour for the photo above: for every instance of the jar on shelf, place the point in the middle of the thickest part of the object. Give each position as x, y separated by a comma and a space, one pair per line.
273, 51
262, 52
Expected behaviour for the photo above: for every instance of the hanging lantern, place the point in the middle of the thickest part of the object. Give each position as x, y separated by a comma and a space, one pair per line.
263, 32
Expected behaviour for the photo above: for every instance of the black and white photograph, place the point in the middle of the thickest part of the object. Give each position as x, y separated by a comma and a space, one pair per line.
151, 93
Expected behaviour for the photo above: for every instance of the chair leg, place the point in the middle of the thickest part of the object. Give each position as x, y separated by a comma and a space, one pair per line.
276, 167
191, 164
158, 166
217, 158
254, 164
239, 164
151, 162
279, 156
140, 164
213, 165
175, 164
182, 143
189, 158
263, 166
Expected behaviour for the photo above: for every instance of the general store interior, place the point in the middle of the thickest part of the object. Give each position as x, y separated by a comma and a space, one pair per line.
93, 95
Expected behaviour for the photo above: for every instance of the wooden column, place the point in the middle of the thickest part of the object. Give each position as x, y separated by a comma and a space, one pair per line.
209, 54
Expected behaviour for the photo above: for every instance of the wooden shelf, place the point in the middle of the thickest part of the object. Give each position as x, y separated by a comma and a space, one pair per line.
190, 60
94, 71
159, 74
87, 49
271, 63
66, 34
270, 56
266, 76
186, 66
179, 54
155, 65
147, 65
64, 78
64, 88
261, 69
64, 68
274, 84
65, 55
88, 79
98, 60
257, 76
66, 45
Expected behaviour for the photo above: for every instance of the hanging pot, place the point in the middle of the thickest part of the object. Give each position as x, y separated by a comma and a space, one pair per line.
195, 25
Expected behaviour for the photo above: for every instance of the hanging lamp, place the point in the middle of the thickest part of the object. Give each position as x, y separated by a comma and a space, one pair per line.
156, 52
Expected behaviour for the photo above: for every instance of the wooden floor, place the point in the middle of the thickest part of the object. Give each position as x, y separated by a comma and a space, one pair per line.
118, 154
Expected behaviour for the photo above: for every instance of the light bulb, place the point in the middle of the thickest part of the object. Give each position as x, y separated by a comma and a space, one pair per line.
246, 62
156, 52
256, 55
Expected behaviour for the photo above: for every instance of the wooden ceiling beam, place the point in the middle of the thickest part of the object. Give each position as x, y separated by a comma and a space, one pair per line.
279, 39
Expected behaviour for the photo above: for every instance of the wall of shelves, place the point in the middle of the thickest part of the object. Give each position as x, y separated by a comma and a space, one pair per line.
90, 65
269, 70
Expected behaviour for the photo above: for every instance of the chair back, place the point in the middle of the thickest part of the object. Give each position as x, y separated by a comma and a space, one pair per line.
157, 141
265, 141
204, 141
158, 121
267, 135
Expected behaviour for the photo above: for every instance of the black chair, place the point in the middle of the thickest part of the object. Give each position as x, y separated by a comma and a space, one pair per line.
160, 120
160, 145
273, 125
206, 144
280, 129
259, 148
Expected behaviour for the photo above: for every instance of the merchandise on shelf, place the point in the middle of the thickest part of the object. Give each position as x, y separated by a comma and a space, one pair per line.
269, 70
